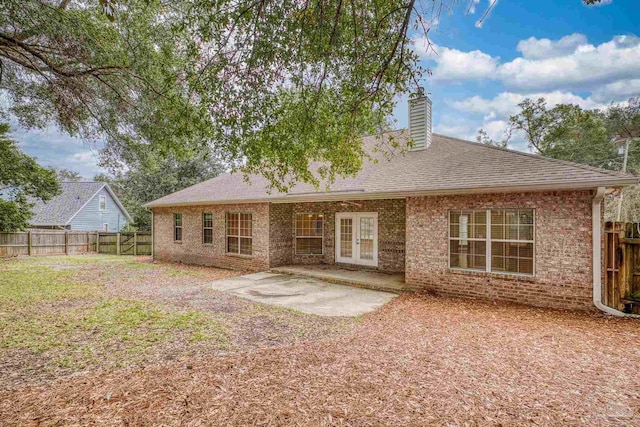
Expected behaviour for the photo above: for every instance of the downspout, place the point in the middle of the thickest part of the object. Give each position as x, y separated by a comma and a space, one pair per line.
152, 237
596, 219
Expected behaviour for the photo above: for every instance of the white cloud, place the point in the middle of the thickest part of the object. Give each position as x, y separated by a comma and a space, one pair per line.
52, 148
495, 129
492, 115
533, 48
84, 157
546, 65
620, 90
587, 66
463, 129
453, 64
505, 104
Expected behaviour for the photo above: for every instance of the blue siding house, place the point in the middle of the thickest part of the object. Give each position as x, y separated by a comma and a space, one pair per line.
82, 206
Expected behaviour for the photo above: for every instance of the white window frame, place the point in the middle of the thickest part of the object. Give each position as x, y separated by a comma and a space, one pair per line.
488, 240
321, 237
239, 236
207, 228
175, 227
102, 203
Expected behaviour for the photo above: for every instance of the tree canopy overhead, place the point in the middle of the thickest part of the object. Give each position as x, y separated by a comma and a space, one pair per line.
269, 86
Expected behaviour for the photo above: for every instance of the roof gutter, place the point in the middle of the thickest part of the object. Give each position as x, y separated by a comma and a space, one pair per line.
596, 217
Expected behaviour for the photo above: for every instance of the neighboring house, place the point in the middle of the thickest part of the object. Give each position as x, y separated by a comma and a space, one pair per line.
83, 206
457, 217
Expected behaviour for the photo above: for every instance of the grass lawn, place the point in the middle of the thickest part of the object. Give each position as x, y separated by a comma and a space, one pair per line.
61, 315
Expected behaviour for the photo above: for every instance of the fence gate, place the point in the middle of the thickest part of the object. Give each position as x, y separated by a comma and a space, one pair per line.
134, 243
622, 266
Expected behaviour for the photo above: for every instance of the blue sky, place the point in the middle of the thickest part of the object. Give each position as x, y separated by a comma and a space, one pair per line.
559, 49
562, 50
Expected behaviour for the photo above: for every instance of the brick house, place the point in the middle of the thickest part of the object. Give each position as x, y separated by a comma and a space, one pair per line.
456, 217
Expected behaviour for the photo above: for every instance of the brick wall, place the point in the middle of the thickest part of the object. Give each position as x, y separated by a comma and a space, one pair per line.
391, 231
562, 243
192, 251
280, 229
563, 252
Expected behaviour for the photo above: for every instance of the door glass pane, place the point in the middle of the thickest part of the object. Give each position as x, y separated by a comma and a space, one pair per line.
366, 238
346, 234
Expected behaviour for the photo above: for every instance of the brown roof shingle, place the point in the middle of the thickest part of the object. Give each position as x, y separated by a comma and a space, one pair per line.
448, 165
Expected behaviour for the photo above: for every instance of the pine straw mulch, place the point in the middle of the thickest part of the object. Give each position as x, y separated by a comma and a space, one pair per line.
416, 361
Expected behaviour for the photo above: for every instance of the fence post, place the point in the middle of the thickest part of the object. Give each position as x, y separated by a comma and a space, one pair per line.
66, 243
88, 244
29, 242
118, 244
135, 243
98, 242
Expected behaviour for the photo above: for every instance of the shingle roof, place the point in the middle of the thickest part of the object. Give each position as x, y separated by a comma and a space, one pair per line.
448, 165
60, 209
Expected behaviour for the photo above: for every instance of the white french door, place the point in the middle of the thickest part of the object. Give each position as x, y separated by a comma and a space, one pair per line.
357, 238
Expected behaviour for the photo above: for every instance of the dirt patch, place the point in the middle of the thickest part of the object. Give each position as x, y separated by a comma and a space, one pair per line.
63, 316
416, 361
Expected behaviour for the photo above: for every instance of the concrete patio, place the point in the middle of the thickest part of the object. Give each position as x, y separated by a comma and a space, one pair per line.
303, 293
370, 279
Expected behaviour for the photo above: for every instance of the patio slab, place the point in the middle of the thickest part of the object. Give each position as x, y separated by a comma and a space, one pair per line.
303, 293
391, 282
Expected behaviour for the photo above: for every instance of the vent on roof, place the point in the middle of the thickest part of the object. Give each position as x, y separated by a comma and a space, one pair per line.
420, 120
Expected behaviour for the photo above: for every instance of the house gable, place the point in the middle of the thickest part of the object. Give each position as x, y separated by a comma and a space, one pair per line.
91, 218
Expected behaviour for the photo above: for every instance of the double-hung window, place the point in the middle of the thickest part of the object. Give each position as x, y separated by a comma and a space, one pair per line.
207, 228
102, 203
177, 227
493, 240
239, 233
309, 234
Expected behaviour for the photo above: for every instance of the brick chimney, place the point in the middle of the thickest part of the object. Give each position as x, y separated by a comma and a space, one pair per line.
420, 120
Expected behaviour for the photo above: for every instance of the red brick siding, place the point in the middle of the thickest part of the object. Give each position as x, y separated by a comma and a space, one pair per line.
280, 241
563, 253
193, 251
391, 230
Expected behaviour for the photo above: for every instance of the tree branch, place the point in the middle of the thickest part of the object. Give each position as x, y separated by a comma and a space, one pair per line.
50, 66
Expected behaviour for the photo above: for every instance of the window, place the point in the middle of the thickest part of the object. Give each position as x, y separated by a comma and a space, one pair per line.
239, 233
207, 228
309, 234
177, 227
103, 203
468, 239
495, 240
512, 241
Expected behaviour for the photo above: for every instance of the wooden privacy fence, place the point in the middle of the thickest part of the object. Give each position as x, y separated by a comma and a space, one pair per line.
621, 285
36, 243
138, 243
